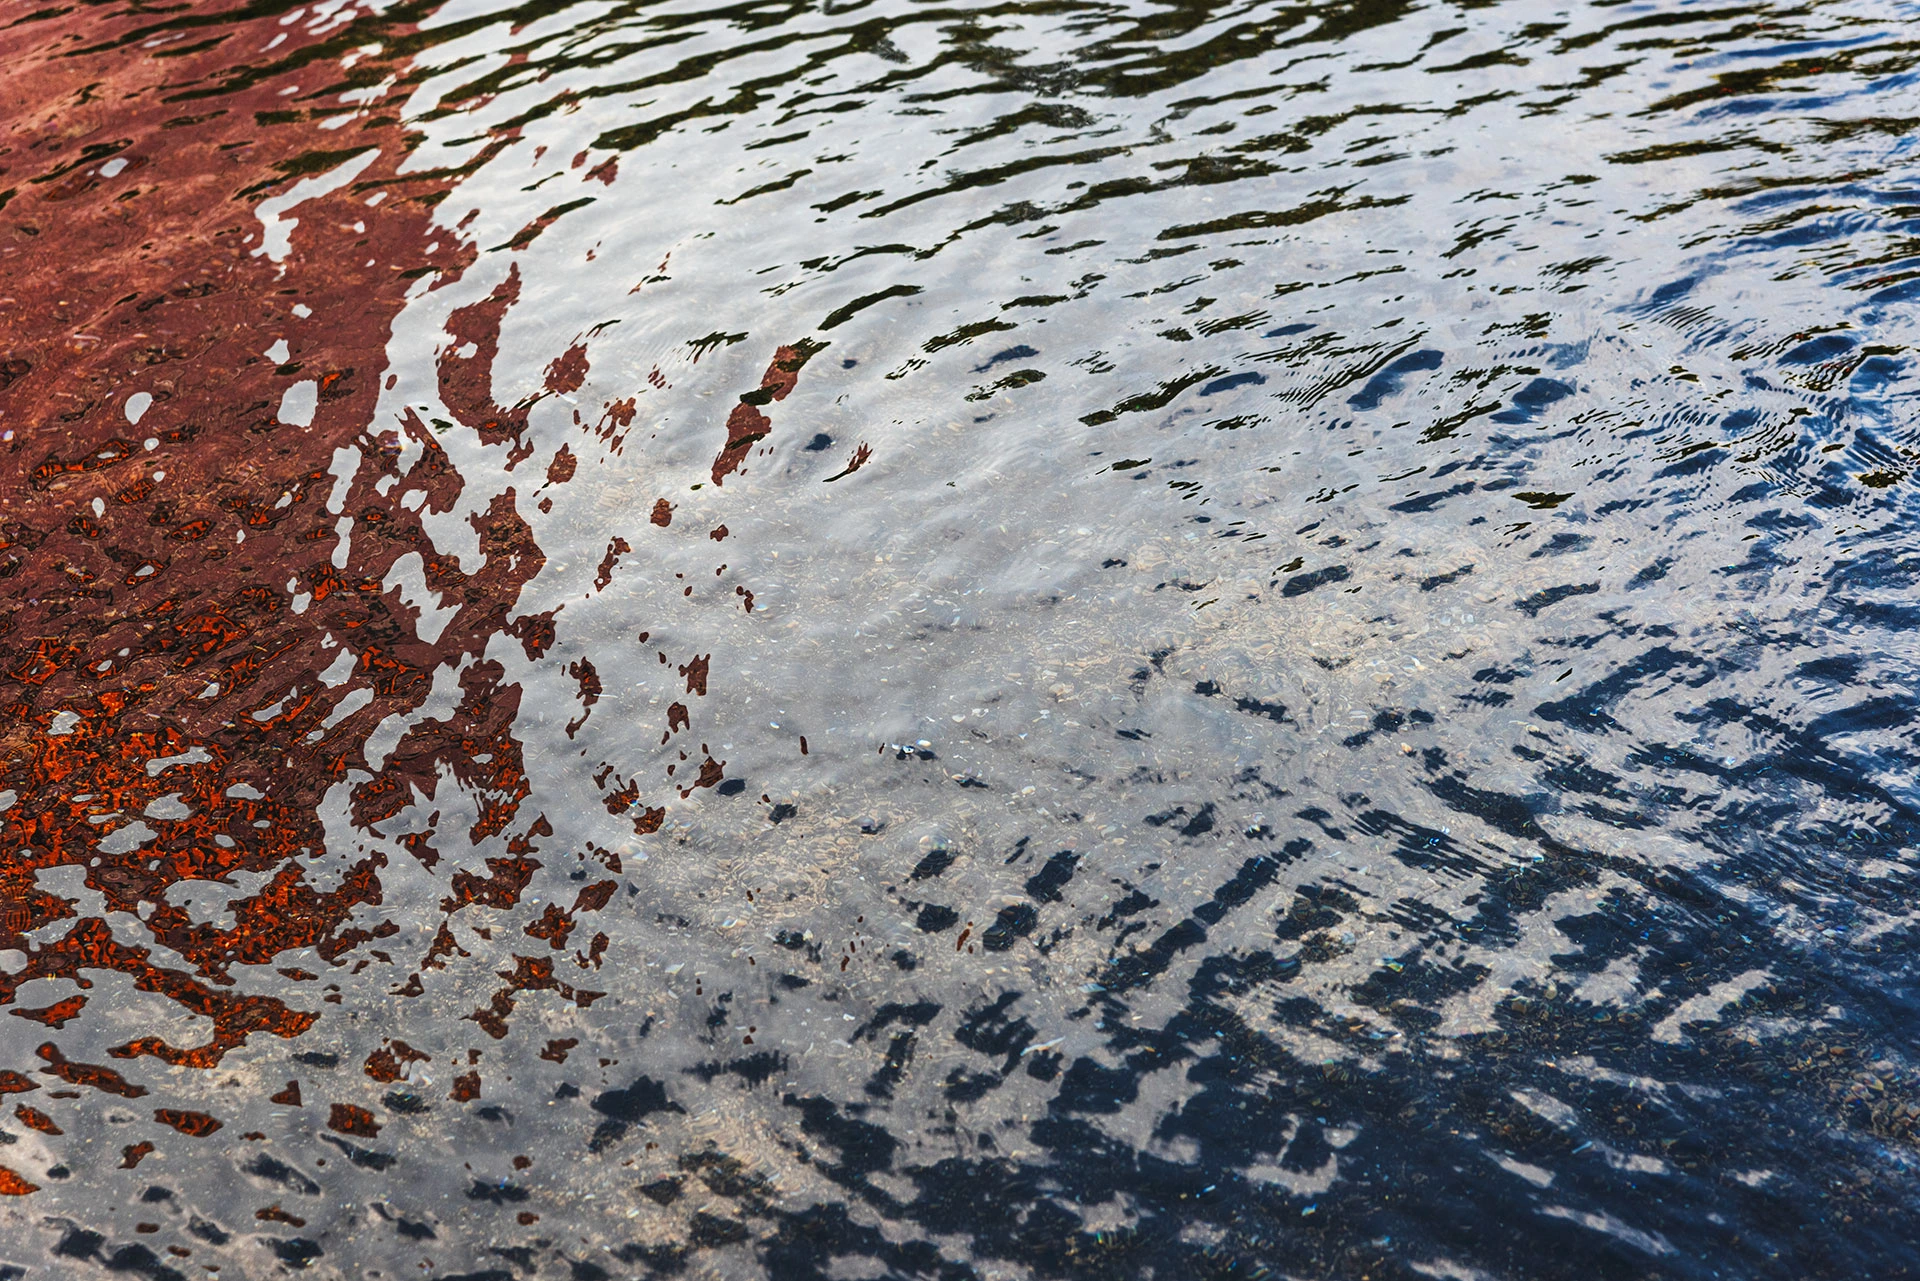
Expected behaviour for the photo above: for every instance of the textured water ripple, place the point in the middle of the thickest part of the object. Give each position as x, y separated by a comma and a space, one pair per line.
1023, 639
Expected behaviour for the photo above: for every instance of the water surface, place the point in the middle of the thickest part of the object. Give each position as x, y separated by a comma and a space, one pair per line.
1021, 640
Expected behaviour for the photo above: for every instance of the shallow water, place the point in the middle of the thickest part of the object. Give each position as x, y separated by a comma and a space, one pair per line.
1011, 640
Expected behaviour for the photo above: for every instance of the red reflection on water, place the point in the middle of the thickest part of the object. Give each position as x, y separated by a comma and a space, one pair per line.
746, 425
203, 265
184, 348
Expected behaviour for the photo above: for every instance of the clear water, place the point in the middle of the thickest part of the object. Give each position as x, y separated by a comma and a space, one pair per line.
1310, 671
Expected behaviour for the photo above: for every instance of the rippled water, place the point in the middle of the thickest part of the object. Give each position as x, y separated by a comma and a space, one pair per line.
1029, 639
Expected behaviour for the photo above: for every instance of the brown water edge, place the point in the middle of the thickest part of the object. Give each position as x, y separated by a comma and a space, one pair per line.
174, 585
